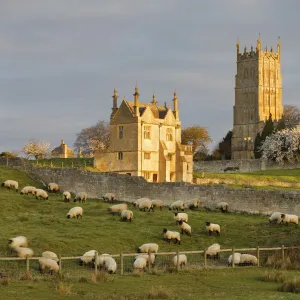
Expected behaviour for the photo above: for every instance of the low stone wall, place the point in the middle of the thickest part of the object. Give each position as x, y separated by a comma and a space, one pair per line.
129, 188
11, 162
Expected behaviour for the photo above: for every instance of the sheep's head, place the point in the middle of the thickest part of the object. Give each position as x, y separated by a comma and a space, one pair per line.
165, 230
68, 216
282, 216
175, 214
139, 249
180, 222
207, 223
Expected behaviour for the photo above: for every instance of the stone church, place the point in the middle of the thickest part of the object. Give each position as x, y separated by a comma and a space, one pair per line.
146, 141
258, 95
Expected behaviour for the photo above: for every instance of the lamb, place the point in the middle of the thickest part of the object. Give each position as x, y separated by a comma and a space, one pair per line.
39, 193
138, 201
236, 258
223, 206
213, 228
23, 252
213, 251
127, 215
248, 259
146, 256
48, 263
110, 197
67, 196
146, 204
50, 255
81, 197
11, 184
193, 204
88, 257
110, 265
177, 205
150, 247
18, 241
158, 203
182, 260
185, 228
275, 217
117, 208
76, 211
171, 235
287, 218
28, 190
53, 187
180, 217
140, 263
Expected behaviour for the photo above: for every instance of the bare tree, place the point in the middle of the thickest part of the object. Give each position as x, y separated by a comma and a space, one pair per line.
93, 138
291, 113
36, 149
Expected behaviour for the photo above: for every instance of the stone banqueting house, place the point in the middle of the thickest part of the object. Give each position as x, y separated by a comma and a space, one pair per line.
146, 141
62, 151
258, 95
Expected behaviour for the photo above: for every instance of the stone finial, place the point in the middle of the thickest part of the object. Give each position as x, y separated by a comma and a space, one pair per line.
258, 43
136, 100
237, 47
154, 99
115, 102
271, 50
266, 49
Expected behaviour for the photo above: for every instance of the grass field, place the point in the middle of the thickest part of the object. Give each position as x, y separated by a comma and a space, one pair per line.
45, 225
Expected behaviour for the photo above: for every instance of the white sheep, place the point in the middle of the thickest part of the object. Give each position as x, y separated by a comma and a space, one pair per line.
149, 247
287, 218
11, 184
213, 250
49, 264
158, 203
275, 217
28, 190
248, 259
67, 196
140, 263
100, 260
23, 252
127, 215
236, 258
146, 204
39, 193
18, 241
76, 211
117, 208
213, 228
181, 217
185, 228
110, 265
193, 204
51, 255
177, 205
223, 206
53, 187
146, 256
80, 197
171, 235
138, 201
110, 197
88, 257
182, 260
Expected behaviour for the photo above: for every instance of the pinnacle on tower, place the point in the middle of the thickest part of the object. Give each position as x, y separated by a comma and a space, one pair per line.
175, 106
115, 102
136, 100
154, 99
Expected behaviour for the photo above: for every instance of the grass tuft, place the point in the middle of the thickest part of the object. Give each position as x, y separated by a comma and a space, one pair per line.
63, 288
274, 276
291, 286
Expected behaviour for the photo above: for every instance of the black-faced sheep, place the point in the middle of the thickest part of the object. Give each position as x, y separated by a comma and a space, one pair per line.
193, 204
146, 204
39, 193
75, 212
67, 196
48, 264
182, 260
149, 247
275, 217
11, 184
158, 204
127, 215
117, 208
287, 218
223, 206
185, 228
53, 187
213, 228
110, 197
180, 217
80, 197
18, 241
213, 251
171, 235
177, 205
28, 190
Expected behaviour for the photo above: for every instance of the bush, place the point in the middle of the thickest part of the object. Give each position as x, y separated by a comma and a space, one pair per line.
291, 286
274, 276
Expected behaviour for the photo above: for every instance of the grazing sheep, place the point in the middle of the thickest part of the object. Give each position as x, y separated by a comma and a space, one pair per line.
146, 204
158, 203
110, 197
177, 205
146, 256
150, 247
28, 190
110, 265
11, 184
51, 255
127, 215
18, 241
223, 206
88, 257
213, 228
180, 217
248, 259
81, 197
287, 218
171, 235
39, 193
140, 263
182, 260
23, 252
193, 204
67, 196
185, 228
236, 258
48, 264
117, 208
53, 187
138, 201
75, 212
275, 217
100, 260
213, 251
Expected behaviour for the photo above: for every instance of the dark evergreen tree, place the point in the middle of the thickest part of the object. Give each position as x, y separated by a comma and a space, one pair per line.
225, 146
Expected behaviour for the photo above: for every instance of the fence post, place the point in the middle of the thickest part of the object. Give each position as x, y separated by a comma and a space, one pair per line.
51, 164
282, 252
27, 264
177, 264
62, 164
258, 256
96, 266
149, 261
205, 259
60, 265
122, 263
85, 164
6, 160
72, 164
232, 261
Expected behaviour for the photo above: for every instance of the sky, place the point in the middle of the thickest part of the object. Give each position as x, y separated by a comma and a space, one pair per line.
61, 59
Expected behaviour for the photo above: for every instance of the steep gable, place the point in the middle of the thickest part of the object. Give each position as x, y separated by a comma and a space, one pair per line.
123, 115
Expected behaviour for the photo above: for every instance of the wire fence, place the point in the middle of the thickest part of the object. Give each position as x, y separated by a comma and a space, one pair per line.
74, 267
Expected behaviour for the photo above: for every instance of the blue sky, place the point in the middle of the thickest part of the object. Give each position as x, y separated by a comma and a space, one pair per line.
61, 59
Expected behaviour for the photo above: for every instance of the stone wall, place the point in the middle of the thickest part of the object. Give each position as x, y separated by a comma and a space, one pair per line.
11, 162
129, 188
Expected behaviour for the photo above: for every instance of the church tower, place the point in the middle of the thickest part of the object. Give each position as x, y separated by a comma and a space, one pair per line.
258, 95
